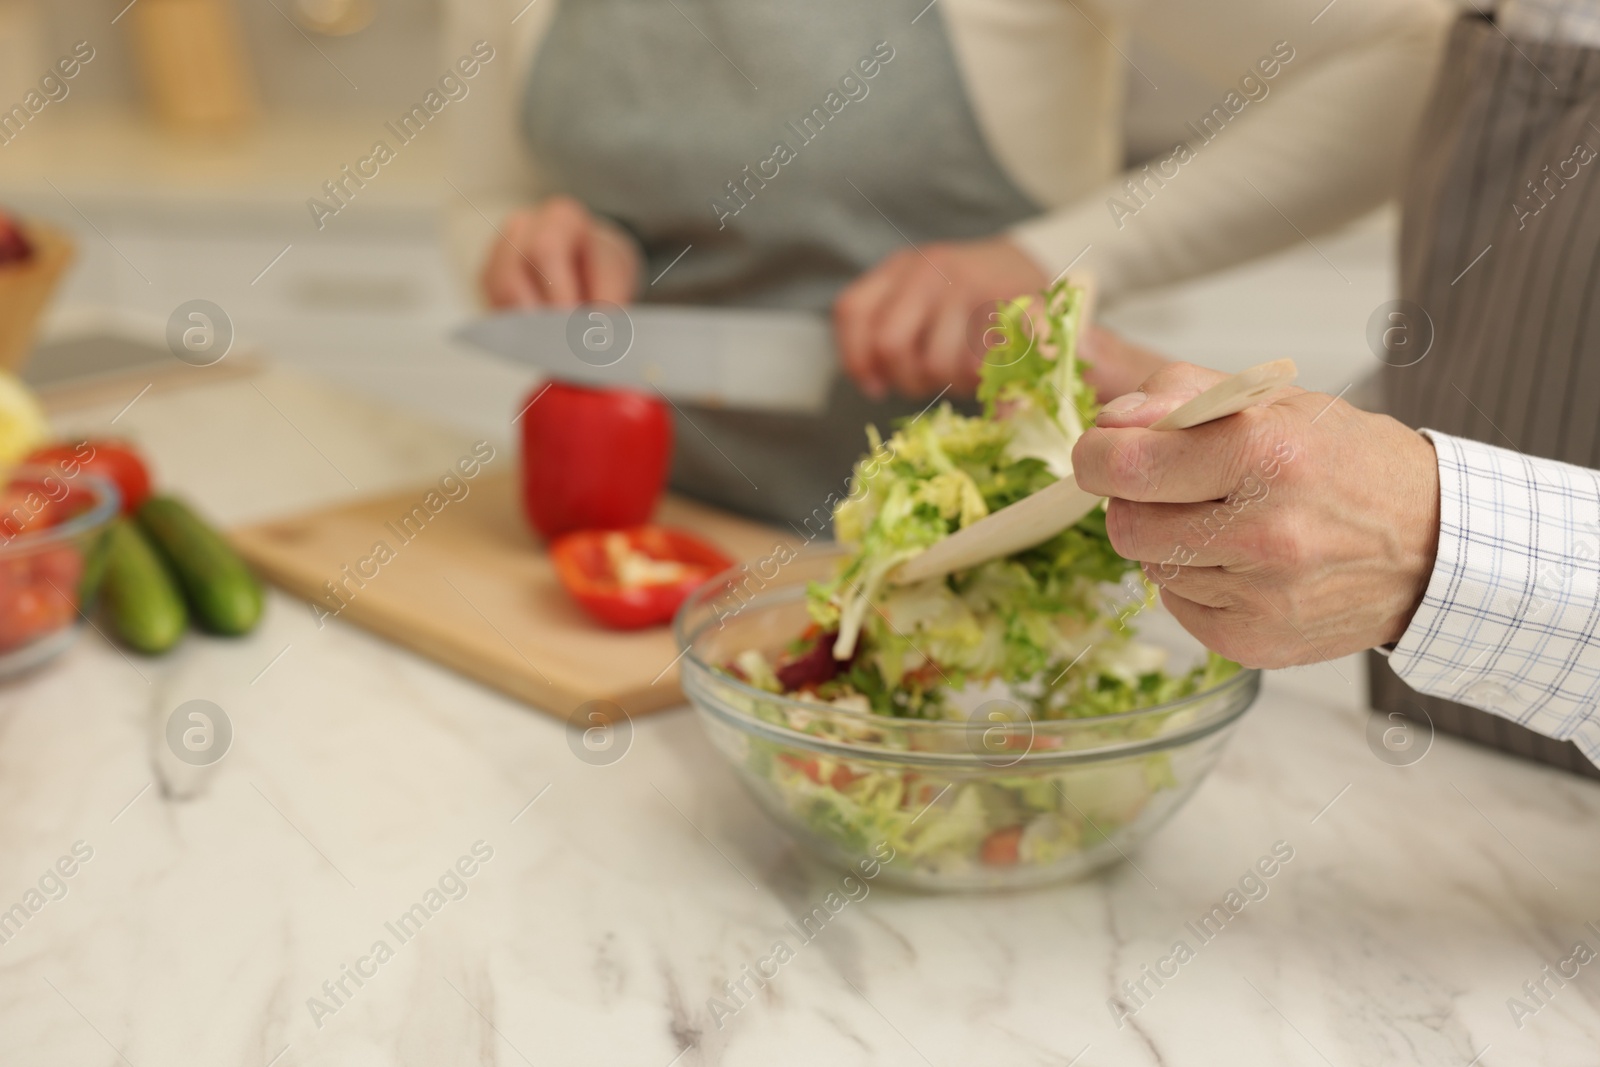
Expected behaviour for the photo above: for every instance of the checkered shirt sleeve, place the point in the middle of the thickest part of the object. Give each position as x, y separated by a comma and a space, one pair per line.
1511, 619
1570, 21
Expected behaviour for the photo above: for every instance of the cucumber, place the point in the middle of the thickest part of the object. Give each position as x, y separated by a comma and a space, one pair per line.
224, 594
140, 596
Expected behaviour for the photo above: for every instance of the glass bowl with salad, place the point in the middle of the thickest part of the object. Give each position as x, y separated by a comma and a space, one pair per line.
994, 792
1026, 720
52, 532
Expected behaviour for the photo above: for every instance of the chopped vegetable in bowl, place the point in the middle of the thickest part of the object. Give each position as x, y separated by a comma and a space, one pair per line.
1026, 719
52, 537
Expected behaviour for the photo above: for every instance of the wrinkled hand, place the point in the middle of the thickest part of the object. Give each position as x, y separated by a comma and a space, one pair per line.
559, 254
1290, 533
907, 323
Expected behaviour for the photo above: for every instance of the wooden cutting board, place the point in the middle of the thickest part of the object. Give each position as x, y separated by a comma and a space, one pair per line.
473, 589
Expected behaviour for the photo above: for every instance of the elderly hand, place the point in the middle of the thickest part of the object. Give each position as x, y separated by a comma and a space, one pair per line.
561, 255
908, 323
1290, 533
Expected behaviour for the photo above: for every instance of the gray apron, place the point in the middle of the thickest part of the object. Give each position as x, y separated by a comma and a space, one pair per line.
632, 110
1515, 360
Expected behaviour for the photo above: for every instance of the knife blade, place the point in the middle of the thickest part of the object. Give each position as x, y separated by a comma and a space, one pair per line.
723, 357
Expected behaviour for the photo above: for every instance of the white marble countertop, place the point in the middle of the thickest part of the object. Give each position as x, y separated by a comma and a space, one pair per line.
218, 900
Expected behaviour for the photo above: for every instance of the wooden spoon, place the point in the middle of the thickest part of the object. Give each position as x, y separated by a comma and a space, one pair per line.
1037, 518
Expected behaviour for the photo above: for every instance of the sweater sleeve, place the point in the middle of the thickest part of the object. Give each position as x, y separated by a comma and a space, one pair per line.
1276, 160
489, 170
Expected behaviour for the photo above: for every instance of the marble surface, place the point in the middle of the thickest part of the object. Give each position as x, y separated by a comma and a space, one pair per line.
218, 900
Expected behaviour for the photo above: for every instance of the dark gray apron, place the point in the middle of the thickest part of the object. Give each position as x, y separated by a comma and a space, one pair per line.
646, 109
1515, 360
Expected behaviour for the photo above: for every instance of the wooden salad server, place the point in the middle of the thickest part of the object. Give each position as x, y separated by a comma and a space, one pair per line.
1037, 518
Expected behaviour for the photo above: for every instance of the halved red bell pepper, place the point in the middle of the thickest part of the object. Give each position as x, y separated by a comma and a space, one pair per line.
629, 579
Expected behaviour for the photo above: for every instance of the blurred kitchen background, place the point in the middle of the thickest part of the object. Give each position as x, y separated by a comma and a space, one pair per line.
167, 208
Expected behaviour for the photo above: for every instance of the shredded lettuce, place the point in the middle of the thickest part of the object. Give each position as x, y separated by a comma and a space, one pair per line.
957, 825
1031, 615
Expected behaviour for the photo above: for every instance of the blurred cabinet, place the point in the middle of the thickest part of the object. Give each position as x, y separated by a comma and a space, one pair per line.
193, 63
369, 299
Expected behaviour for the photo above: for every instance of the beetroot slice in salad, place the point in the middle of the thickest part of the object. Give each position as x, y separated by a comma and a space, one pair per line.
811, 667
808, 664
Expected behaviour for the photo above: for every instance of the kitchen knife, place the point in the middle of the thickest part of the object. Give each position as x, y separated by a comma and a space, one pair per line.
732, 358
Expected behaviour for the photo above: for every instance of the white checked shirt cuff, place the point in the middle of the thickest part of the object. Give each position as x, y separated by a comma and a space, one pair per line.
1569, 21
1511, 619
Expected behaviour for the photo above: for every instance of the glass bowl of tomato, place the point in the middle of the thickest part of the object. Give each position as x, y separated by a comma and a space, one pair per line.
52, 533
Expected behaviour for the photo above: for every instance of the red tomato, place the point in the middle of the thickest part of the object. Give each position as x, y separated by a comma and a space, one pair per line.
32, 503
841, 777
114, 461
26, 508
1000, 848
593, 459
806, 765
59, 567
38, 595
594, 567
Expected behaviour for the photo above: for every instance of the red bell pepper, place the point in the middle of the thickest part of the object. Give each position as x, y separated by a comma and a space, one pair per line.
628, 579
593, 459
